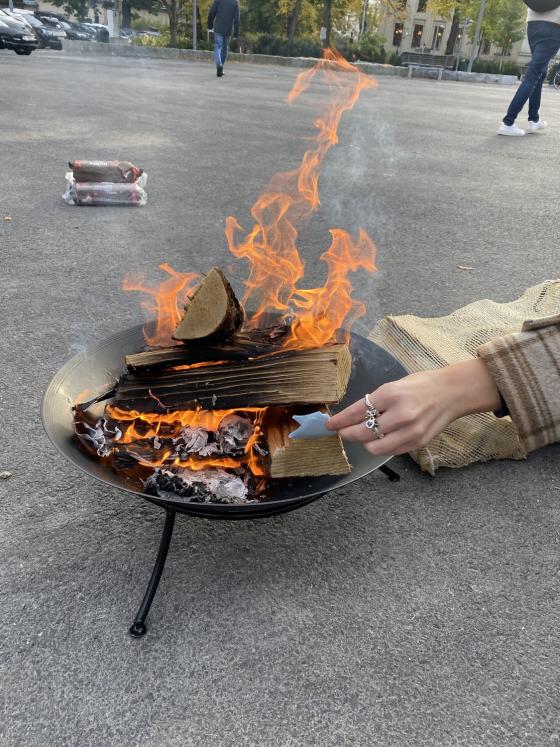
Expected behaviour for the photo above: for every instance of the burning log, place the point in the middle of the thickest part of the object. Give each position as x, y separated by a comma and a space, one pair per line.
250, 343
301, 457
213, 313
312, 375
193, 443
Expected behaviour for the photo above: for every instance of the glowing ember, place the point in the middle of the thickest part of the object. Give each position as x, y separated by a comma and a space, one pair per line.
143, 427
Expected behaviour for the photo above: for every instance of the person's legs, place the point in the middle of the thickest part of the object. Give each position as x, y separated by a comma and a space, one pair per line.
535, 98
225, 45
544, 40
218, 44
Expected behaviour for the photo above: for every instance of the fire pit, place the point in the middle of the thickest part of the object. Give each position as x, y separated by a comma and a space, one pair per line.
201, 421
98, 366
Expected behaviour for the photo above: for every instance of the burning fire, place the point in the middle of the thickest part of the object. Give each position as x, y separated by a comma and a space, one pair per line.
165, 302
144, 426
270, 247
275, 272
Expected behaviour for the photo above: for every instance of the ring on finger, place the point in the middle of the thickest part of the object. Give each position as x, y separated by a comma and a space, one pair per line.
371, 419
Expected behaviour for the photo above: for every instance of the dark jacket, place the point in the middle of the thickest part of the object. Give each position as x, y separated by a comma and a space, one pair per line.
222, 15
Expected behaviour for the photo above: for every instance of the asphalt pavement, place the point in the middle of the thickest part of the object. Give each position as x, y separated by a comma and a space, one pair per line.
423, 612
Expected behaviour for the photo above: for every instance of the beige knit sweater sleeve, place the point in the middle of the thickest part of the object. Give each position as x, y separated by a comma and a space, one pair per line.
526, 368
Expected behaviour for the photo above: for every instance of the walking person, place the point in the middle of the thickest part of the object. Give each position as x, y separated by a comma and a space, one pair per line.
223, 16
543, 33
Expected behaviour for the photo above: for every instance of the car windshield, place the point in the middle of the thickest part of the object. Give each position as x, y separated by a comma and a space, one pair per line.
31, 20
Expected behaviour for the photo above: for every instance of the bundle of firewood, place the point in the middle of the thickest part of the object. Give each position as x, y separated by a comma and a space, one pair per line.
218, 365
105, 183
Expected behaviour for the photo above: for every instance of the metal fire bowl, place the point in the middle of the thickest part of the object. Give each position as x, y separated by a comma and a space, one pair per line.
97, 367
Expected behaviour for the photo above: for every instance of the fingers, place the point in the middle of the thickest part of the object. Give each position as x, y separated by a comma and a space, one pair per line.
387, 422
399, 442
355, 414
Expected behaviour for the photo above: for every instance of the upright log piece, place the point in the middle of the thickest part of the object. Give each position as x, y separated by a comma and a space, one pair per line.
213, 313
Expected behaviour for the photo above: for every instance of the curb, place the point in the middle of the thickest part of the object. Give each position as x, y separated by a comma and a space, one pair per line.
163, 53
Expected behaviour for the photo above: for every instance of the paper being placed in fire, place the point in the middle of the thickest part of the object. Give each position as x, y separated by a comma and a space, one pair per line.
311, 426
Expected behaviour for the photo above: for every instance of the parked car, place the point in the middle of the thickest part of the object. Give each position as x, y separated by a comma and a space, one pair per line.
73, 31
46, 37
16, 35
101, 32
85, 28
40, 14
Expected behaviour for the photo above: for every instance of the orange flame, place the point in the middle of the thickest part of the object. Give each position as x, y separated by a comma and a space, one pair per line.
145, 425
270, 247
275, 266
164, 303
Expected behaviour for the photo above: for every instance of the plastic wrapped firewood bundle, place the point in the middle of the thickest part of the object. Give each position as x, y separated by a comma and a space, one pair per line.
105, 193
116, 172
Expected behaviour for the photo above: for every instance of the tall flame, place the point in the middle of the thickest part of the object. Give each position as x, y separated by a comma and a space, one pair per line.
270, 247
164, 303
275, 266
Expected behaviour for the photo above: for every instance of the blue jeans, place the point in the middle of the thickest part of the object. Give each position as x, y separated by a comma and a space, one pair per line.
221, 48
544, 41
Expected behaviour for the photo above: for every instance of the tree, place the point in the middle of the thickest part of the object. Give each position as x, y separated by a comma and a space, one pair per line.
504, 24
78, 8
128, 6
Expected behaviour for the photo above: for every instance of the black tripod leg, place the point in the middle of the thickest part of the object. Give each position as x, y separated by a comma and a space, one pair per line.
391, 474
138, 628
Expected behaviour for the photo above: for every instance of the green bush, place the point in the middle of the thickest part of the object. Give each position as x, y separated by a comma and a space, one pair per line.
368, 49
139, 24
491, 66
394, 59
282, 47
183, 42
152, 41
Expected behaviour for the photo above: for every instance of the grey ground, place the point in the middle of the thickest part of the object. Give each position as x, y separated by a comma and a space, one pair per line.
417, 613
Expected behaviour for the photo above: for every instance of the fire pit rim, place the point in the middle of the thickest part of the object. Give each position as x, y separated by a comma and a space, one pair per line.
318, 486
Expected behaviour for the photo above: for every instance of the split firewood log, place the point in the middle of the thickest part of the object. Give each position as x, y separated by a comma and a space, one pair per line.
309, 376
301, 457
213, 313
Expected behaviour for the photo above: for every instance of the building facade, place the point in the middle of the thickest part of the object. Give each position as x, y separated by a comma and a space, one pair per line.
416, 30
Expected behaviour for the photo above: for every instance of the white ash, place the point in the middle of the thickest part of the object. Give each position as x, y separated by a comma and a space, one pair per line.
204, 486
101, 435
234, 431
230, 438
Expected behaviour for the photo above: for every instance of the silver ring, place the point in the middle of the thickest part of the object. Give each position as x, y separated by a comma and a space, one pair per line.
371, 419
369, 404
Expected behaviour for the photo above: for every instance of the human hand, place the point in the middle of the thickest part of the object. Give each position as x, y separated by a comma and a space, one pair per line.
418, 407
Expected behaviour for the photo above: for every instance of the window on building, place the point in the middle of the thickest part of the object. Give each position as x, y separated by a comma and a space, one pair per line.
397, 34
485, 47
417, 35
458, 43
438, 36
422, 6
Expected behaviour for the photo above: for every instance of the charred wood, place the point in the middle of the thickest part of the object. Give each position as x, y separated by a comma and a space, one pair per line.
245, 344
314, 375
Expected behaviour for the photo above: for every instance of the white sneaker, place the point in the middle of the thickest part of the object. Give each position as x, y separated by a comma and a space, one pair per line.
513, 129
536, 126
